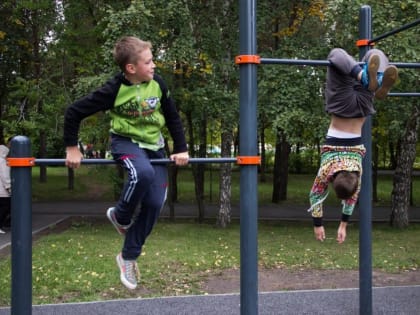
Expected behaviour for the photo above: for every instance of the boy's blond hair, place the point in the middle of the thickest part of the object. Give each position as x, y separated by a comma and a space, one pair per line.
127, 50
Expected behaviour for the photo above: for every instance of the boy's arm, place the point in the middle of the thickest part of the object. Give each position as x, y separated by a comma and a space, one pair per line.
100, 100
317, 196
342, 232
180, 158
73, 156
348, 207
319, 233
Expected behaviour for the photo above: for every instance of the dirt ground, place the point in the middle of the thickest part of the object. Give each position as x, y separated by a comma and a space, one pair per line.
228, 281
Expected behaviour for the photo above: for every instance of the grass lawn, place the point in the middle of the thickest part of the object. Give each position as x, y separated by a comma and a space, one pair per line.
79, 263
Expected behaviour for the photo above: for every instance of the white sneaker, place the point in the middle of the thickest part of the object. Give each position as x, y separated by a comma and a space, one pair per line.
2, 232
129, 272
121, 229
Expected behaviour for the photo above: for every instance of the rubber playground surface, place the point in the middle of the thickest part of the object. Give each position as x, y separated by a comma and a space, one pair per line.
386, 301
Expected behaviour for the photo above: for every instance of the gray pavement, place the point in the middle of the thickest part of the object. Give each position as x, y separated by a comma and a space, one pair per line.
386, 300
40, 223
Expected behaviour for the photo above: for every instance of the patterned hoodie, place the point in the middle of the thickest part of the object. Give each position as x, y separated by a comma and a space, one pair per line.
335, 158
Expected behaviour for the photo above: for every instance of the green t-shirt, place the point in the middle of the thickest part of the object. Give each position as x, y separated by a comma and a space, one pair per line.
136, 114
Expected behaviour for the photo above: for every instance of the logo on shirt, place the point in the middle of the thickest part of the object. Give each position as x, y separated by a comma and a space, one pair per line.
148, 106
132, 109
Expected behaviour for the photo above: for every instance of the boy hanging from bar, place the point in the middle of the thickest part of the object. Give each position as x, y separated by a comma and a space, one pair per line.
349, 94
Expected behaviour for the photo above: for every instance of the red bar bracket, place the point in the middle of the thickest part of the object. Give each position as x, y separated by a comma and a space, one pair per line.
21, 162
241, 59
248, 160
364, 42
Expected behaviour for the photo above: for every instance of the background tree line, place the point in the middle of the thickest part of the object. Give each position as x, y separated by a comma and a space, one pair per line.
54, 51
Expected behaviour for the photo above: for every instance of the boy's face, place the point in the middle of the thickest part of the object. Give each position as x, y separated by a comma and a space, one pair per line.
144, 69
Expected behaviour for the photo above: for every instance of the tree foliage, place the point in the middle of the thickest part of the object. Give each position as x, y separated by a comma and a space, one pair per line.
53, 52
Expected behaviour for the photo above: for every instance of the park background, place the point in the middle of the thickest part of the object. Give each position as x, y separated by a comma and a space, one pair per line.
52, 52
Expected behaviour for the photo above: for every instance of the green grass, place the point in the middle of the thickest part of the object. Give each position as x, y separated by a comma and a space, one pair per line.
79, 264
91, 183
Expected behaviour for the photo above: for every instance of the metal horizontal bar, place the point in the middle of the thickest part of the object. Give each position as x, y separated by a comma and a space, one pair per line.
406, 64
295, 62
407, 94
61, 162
395, 31
303, 62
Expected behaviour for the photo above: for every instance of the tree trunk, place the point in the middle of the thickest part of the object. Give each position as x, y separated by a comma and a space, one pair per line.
42, 153
281, 166
225, 209
284, 168
400, 198
172, 192
198, 171
173, 173
375, 161
263, 155
70, 173
276, 173
118, 182
191, 145
37, 74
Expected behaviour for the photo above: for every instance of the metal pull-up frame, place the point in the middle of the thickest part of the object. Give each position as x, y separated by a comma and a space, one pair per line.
22, 162
248, 61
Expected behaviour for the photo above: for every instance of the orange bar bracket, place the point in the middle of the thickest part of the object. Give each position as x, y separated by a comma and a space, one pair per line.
364, 42
21, 162
247, 59
248, 160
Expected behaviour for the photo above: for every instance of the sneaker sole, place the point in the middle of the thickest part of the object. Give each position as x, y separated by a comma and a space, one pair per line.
109, 216
373, 66
127, 284
388, 81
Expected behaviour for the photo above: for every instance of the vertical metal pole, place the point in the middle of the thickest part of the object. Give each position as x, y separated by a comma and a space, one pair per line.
365, 200
21, 229
248, 147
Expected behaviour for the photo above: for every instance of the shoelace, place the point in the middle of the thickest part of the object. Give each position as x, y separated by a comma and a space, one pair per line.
132, 270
